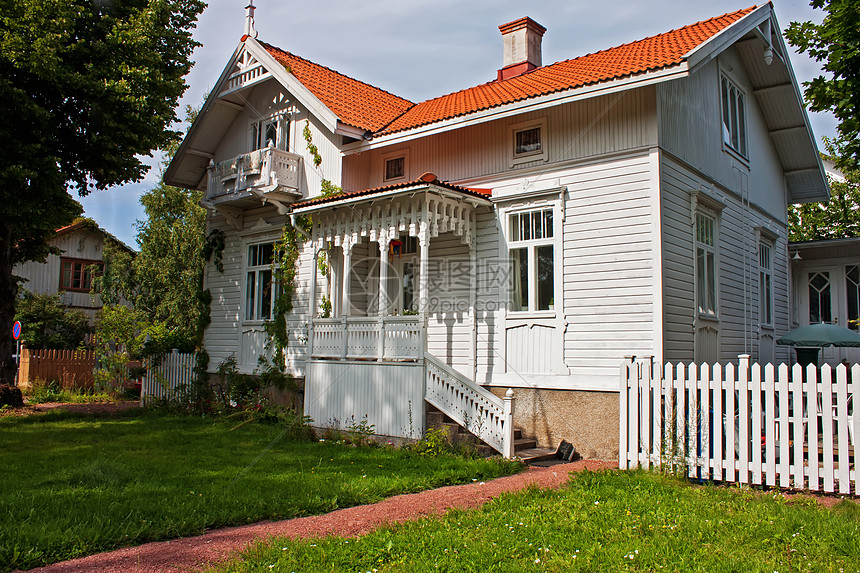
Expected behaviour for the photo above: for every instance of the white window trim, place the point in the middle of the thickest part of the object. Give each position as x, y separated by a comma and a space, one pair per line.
541, 155
283, 121
404, 153
767, 243
247, 242
704, 211
556, 241
742, 154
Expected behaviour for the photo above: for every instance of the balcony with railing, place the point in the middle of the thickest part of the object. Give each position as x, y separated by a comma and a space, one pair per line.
267, 172
390, 338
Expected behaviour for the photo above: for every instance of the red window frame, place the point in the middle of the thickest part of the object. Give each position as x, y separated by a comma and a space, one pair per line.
75, 275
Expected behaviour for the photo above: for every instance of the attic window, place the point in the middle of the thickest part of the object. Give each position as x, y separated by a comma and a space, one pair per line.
395, 168
528, 142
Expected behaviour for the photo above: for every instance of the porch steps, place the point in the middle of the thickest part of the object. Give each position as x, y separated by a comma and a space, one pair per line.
524, 448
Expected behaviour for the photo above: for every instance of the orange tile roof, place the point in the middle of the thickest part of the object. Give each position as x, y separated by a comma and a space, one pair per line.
653, 53
425, 179
367, 107
355, 103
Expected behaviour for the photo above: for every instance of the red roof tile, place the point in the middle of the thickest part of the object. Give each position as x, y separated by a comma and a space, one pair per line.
355, 103
426, 179
653, 53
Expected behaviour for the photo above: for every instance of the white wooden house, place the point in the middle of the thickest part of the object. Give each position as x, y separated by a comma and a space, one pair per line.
69, 273
528, 233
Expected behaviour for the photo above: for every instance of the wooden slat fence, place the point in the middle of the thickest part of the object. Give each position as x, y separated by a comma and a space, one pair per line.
764, 425
170, 378
71, 368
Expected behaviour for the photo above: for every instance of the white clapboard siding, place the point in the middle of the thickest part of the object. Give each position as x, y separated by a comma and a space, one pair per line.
746, 423
169, 378
738, 327
578, 130
339, 394
608, 265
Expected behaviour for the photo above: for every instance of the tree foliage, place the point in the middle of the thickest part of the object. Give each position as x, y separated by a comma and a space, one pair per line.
46, 323
836, 44
87, 88
837, 219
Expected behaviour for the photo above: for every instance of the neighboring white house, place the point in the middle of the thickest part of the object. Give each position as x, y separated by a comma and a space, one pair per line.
69, 273
529, 233
826, 287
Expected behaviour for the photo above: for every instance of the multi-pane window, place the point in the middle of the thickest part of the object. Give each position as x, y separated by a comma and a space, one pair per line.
532, 258
260, 289
852, 287
765, 283
76, 274
734, 116
527, 141
274, 131
820, 309
706, 264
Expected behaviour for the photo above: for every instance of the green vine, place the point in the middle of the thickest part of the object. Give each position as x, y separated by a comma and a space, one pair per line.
213, 248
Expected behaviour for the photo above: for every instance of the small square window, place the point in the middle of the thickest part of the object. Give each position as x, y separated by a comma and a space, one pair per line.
395, 168
527, 141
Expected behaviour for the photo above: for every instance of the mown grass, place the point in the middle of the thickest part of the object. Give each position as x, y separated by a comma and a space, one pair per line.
610, 521
74, 485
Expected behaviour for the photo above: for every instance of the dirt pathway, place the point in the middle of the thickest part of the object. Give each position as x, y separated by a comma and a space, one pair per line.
194, 552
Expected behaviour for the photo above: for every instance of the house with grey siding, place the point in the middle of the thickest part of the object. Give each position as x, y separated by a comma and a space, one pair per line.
498, 252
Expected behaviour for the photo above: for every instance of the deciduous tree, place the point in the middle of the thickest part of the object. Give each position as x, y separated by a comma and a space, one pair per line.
87, 87
836, 44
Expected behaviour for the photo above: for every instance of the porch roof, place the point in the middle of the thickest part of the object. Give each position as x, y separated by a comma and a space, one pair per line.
396, 188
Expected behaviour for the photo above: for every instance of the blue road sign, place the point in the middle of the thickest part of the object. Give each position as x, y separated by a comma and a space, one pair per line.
16, 330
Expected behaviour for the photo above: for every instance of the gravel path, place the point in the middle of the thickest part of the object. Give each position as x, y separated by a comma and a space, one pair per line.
194, 552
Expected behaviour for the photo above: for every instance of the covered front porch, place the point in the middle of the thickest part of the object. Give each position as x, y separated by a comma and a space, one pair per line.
401, 284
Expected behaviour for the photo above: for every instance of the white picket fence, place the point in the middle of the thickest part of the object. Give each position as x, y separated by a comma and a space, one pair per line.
750, 424
169, 378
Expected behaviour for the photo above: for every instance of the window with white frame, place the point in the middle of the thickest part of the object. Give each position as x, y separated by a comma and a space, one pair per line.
274, 130
260, 288
706, 264
734, 116
395, 168
852, 289
528, 141
532, 259
765, 283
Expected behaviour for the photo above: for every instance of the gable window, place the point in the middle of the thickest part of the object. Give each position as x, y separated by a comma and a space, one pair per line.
395, 168
76, 274
706, 264
765, 283
532, 260
734, 116
273, 130
260, 289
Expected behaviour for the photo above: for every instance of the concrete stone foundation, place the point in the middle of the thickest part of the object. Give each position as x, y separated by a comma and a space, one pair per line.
588, 420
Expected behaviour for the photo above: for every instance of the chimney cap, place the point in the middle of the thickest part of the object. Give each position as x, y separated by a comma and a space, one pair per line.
524, 22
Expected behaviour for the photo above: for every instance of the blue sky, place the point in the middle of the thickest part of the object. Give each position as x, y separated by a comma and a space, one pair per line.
420, 49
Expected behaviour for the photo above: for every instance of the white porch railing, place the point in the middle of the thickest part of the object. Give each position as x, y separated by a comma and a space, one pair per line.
754, 424
393, 338
268, 169
478, 410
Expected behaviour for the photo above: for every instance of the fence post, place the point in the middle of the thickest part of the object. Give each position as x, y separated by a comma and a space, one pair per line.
508, 413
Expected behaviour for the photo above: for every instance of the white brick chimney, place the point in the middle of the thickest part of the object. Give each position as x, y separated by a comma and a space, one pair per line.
522, 47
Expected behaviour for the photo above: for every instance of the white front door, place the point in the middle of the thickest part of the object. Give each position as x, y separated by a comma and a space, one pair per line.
820, 291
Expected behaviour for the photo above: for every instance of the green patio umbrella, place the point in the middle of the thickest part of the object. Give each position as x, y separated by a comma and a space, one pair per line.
821, 335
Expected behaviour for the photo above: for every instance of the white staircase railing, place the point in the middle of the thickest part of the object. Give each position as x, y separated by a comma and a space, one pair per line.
481, 412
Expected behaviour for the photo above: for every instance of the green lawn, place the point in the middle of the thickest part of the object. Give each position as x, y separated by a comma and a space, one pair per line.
609, 521
76, 485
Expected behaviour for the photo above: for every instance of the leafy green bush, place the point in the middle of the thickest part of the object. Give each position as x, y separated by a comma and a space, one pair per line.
46, 323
